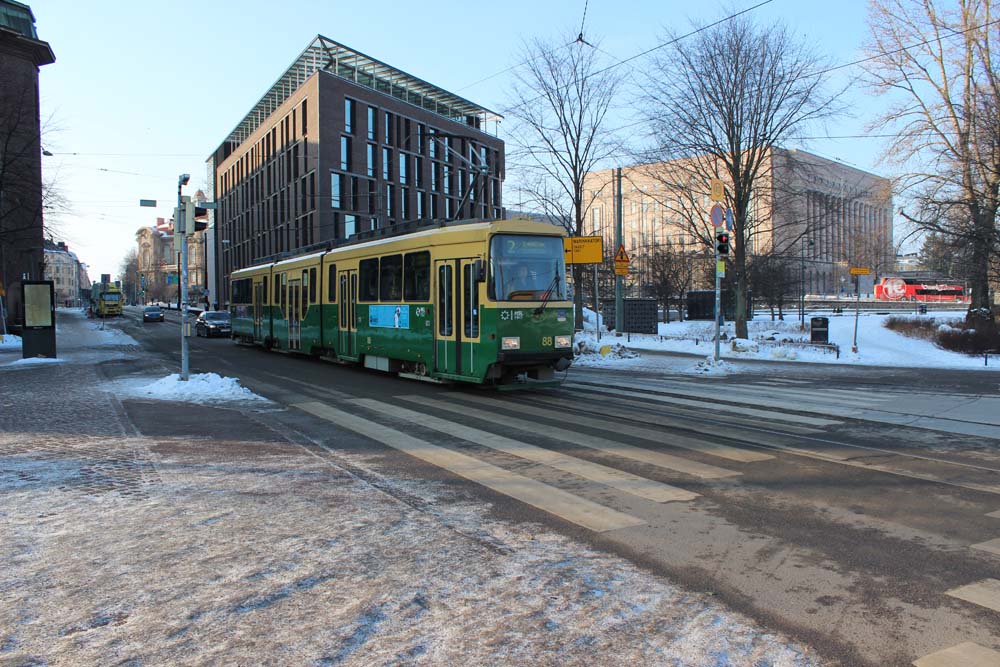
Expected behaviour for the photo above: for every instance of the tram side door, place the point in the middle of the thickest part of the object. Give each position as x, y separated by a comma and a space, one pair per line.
294, 314
446, 339
258, 310
347, 326
467, 309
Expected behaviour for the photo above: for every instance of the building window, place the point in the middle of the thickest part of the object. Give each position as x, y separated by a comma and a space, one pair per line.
345, 153
418, 168
372, 123
402, 169
446, 180
388, 128
421, 130
348, 115
434, 207
388, 201
350, 226
447, 208
305, 116
420, 204
434, 176
432, 146
371, 160
336, 190
386, 164
404, 209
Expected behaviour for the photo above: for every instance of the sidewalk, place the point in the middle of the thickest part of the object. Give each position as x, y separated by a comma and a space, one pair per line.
131, 537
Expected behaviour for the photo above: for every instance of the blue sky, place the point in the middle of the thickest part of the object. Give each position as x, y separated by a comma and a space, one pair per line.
143, 91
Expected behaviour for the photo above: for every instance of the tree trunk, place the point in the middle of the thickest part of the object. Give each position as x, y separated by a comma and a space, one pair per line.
980, 314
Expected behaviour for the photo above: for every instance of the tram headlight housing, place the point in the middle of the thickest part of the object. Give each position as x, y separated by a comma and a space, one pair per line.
564, 341
511, 343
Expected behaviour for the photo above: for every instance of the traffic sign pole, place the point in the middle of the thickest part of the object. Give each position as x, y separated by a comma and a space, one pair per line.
718, 309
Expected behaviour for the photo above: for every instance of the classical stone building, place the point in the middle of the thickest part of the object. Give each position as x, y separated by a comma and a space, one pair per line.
344, 143
159, 261
821, 214
21, 236
66, 272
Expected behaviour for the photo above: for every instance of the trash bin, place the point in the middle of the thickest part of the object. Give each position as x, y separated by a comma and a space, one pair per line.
922, 309
819, 329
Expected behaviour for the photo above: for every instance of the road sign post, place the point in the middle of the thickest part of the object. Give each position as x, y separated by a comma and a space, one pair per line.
857, 272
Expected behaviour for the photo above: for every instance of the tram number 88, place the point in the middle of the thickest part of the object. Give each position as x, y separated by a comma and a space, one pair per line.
546, 341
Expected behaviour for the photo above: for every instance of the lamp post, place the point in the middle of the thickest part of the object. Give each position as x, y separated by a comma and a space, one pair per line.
181, 225
802, 284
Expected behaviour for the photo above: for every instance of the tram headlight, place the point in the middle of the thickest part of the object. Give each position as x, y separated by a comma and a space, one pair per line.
511, 343
564, 341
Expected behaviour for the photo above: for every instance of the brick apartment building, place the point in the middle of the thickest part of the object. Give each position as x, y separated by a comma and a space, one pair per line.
21, 235
341, 144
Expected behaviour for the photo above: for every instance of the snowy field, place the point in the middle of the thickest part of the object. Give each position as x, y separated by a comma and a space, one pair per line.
778, 341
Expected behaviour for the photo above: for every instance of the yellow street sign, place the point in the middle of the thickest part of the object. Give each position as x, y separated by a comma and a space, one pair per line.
584, 249
621, 261
860, 271
720, 268
718, 190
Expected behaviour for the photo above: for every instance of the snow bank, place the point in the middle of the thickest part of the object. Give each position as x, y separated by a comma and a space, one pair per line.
107, 336
200, 388
9, 342
35, 361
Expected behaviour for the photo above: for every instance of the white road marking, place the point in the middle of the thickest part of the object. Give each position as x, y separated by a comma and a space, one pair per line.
995, 515
623, 481
659, 436
547, 498
966, 654
640, 454
993, 546
985, 593
750, 412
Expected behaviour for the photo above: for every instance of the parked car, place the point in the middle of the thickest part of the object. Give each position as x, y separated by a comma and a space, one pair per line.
213, 323
152, 314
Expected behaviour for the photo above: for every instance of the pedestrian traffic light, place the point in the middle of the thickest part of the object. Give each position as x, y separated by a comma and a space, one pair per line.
197, 217
722, 242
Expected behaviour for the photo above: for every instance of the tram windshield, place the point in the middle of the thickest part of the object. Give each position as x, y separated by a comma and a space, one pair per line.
527, 268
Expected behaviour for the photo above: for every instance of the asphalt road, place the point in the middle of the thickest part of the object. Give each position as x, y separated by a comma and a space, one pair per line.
802, 497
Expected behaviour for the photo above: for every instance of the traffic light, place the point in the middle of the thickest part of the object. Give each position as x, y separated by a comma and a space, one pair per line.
196, 217
722, 242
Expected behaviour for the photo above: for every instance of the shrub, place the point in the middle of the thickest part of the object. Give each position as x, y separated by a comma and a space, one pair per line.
924, 327
969, 341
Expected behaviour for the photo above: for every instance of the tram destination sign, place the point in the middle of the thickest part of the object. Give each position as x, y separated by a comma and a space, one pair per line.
584, 249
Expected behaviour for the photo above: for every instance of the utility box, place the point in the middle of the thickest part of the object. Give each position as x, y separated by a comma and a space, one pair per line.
640, 316
819, 329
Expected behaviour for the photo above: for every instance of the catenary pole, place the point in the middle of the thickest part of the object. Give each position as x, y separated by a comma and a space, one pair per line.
619, 240
181, 225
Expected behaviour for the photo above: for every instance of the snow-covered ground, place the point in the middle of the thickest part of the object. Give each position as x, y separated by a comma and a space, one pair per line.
9, 342
777, 341
200, 388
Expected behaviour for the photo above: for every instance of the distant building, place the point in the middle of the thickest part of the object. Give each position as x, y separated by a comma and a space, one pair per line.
822, 214
344, 143
158, 263
21, 237
63, 268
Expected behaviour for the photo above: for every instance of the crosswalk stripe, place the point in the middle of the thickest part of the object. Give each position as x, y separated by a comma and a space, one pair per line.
995, 515
985, 593
654, 435
992, 546
750, 412
623, 481
966, 654
555, 501
754, 397
640, 454
670, 426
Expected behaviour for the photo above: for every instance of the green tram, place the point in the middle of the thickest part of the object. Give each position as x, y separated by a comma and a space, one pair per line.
470, 301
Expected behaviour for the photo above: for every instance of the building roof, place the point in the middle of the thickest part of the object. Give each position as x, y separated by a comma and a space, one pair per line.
17, 27
326, 55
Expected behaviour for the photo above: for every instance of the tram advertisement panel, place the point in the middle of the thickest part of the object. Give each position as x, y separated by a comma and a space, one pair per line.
392, 316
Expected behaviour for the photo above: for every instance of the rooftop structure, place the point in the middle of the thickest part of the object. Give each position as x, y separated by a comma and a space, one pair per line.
324, 54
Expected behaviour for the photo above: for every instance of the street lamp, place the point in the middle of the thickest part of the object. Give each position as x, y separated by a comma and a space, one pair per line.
180, 224
802, 285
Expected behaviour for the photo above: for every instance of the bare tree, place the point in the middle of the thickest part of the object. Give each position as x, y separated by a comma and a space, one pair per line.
560, 102
774, 280
128, 274
671, 276
941, 60
718, 105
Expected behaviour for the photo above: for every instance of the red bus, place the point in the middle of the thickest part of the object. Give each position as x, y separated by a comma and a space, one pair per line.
895, 288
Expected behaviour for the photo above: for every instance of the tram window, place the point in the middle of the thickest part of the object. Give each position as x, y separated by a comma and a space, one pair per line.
312, 286
331, 283
368, 273
264, 291
305, 283
444, 301
417, 276
391, 278
470, 302
277, 291
284, 292
343, 301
